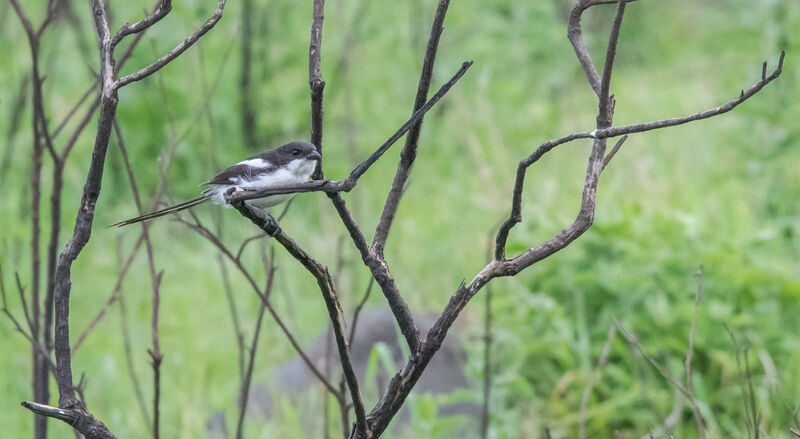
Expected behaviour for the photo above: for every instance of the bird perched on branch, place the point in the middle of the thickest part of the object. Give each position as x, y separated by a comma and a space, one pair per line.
292, 163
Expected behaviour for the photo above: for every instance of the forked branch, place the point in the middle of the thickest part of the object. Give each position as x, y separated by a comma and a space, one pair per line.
516, 201
331, 186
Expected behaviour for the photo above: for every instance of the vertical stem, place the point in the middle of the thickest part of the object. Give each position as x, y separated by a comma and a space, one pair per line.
40, 376
315, 80
157, 358
81, 235
249, 129
487, 363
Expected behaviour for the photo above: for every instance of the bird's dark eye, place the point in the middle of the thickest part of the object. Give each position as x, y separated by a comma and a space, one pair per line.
295, 152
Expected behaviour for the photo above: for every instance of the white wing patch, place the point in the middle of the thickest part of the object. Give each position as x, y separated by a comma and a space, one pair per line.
256, 163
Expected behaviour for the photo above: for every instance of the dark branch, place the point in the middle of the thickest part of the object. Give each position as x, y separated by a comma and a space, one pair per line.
161, 11
315, 81
606, 103
357, 311
380, 271
245, 391
325, 283
174, 53
614, 151
409, 151
364, 166
203, 231
516, 215
331, 186
649, 126
79, 419
575, 36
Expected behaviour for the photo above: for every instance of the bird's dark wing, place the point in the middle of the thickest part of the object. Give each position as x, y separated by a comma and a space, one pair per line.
239, 170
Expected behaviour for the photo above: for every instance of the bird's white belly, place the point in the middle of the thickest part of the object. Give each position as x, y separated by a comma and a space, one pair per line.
281, 177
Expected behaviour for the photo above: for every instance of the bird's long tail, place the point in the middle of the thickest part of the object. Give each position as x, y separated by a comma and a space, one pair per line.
172, 209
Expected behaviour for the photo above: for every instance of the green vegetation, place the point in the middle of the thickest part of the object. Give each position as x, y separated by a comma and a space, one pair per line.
721, 193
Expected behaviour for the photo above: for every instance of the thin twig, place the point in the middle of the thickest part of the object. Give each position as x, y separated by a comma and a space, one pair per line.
126, 342
614, 151
690, 351
155, 278
203, 231
487, 364
161, 11
24, 305
595, 376
358, 309
174, 53
245, 391
537, 253
113, 297
749, 422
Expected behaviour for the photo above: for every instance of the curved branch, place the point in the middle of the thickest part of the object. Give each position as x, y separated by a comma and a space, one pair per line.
604, 133
162, 9
174, 53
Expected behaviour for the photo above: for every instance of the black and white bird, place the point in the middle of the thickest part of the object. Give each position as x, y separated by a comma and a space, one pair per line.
292, 163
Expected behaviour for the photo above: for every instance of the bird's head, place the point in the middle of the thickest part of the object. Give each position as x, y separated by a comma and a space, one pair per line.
299, 157
298, 151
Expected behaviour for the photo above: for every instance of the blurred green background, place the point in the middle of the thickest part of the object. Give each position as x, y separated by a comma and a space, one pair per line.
722, 193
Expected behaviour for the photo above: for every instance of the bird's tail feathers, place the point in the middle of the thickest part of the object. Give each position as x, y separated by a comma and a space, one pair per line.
172, 209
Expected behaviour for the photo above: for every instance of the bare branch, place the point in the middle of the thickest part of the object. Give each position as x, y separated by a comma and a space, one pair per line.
315, 80
174, 53
606, 111
380, 271
79, 419
113, 297
155, 278
409, 152
35, 344
331, 186
325, 283
245, 391
364, 166
126, 342
487, 364
516, 198
203, 231
75, 108
535, 254
614, 151
690, 351
357, 311
722, 109
595, 376
24, 305
161, 11
575, 36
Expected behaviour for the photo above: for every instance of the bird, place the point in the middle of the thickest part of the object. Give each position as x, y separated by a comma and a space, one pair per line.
287, 164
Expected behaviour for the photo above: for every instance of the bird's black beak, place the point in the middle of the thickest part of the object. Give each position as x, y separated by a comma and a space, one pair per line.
314, 156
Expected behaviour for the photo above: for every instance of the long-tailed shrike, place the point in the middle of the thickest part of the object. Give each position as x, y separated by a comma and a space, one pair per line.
292, 163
